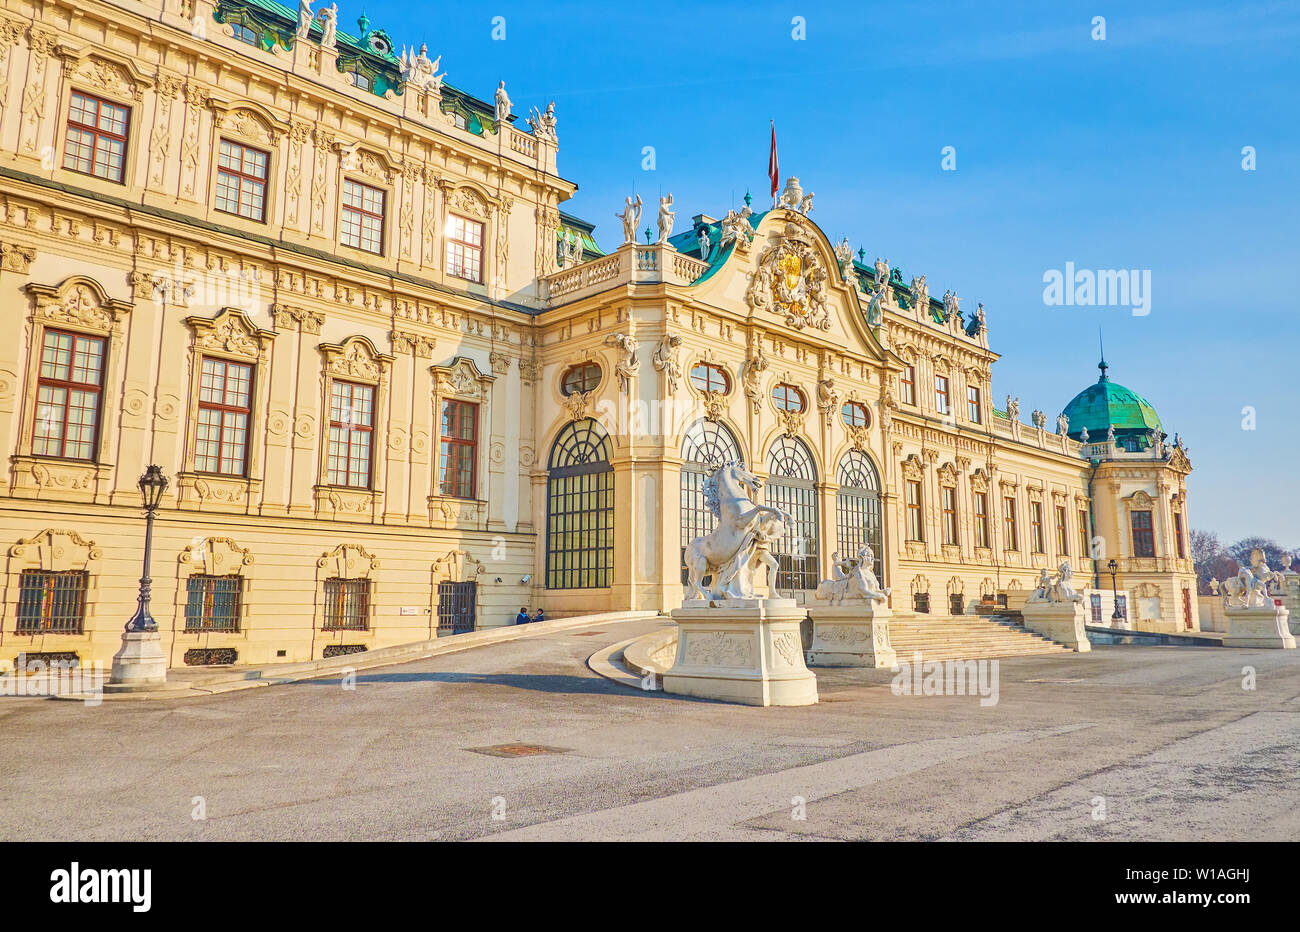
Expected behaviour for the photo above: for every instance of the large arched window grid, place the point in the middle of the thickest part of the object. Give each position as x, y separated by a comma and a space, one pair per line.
707, 446
792, 487
857, 508
580, 509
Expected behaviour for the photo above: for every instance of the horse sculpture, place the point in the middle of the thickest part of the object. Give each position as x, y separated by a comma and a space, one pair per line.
1249, 588
727, 555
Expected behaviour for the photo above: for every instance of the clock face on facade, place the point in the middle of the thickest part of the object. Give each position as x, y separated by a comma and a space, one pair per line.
379, 45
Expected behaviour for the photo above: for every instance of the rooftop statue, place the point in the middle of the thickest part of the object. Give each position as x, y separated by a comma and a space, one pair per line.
329, 22
882, 274
921, 291
666, 217
630, 216
1013, 408
951, 305
503, 103
705, 245
727, 555
543, 123
305, 17
419, 72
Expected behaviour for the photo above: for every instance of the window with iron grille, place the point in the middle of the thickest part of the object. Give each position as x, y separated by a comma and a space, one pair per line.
974, 410
950, 516
915, 530
459, 448
68, 389
241, 180
97, 137
956, 604
1062, 535
709, 378
465, 248
1144, 541
362, 222
347, 604
921, 602
1121, 605
1036, 526
52, 603
792, 487
212, 603
941, 394
907, 386
580, 509
857, 508
706, 446
981, 519
225, 393
1009, 521
351, 418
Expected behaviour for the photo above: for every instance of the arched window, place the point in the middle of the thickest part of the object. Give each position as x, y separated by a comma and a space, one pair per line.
580, 509
707, 446
792, 486
855, 414
707, 377
787, 398
857, 508
580, 378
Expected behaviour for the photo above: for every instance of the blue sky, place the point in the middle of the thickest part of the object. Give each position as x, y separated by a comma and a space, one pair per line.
1117, 154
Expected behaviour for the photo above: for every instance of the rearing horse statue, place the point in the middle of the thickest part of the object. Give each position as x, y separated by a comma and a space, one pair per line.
725, 554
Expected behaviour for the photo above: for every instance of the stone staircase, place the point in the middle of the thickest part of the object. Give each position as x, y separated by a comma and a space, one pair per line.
964, 637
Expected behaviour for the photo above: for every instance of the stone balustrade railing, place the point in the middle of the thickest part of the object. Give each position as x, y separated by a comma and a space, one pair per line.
629, 265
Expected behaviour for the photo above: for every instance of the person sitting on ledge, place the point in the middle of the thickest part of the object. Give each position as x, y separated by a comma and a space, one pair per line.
522, 617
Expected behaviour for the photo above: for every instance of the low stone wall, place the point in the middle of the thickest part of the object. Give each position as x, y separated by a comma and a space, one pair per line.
652, 653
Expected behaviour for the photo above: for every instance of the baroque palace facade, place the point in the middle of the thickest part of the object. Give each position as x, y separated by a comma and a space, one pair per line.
399, 393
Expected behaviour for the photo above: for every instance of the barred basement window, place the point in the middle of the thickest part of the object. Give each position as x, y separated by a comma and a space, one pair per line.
52, 603
956, 604
921, 602
857, 508
212, 602
792, 487
580, 509
707, 446
347, 604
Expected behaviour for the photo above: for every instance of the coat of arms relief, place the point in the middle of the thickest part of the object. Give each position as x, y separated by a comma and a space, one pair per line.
790, 280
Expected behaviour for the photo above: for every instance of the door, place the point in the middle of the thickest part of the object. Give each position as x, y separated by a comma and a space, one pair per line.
1187, 609
456, 607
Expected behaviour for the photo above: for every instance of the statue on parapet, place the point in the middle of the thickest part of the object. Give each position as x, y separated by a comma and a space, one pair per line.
1056, 588
852, 579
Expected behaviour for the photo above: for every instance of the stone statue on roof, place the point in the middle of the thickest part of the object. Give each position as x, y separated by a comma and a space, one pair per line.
703, 236
921, 291
631, 216
419, 72
503, 103
951, 305
543, 123
329, 24
882, 274
980, 323
1013, 409
305, 18
1062, 424
666, 217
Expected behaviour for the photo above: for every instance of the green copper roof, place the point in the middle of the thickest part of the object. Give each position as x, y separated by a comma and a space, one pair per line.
1105, 404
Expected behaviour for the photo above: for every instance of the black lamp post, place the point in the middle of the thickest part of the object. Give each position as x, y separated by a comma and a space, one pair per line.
152, 486
1115, 616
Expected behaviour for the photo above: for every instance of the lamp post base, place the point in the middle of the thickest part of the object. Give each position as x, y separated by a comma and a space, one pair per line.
139, 663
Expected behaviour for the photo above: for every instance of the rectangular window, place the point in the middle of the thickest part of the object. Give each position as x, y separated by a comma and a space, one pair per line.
956, 604
212, 603
52, 603
351, 420
981, 519
363, 217
347, 604
459, 449
941, 394
914, 510
973, 411
241, 180
1009, 523
1062, 535
1036, 526
465, 248
1085, 535
921, 602
907, 386
225, 398
68, 388
950, 516
1178, 535
97, 131
1144, 541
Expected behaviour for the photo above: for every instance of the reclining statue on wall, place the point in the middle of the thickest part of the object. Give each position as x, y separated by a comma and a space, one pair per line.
852, 579
728, 555
1056, 588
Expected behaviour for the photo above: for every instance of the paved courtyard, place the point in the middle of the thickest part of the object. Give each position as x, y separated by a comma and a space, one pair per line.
1162, 742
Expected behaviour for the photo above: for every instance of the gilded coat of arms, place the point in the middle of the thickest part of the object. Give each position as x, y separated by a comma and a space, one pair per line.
790, 280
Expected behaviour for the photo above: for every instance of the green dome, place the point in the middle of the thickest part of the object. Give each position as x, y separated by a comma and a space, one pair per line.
1105, 404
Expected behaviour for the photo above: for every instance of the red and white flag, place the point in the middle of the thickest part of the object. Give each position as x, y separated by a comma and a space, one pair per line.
772, 171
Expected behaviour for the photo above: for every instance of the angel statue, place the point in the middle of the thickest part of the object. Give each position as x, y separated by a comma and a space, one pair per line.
631, 216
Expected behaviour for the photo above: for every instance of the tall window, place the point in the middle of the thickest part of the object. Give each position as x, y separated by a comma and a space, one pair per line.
981, 519
941, 394
1178, 535
1009, 522
907, 386
362, 225
225, 393
241, 180
709, 378
1085, 535
914, 525
1144, 541
351, 420
580, 509
465, 248
950, 516
52, 603
459, 446
1036, 526
1062, 536
212, 602
787, 398
97, 131
68, 390
857, 508
792, 486
347, 604
706, 446
973, 409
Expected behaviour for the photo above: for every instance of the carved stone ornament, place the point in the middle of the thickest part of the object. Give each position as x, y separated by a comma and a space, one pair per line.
356, 358
790, 281
577, 403
230, 332
78, 301
461, 379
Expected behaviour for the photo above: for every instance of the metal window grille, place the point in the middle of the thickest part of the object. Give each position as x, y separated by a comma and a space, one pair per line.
857, 509
456, 607
921, 602
956, 604
212, 603
347, 604
707, 446
52, 603
580, 509
793, 488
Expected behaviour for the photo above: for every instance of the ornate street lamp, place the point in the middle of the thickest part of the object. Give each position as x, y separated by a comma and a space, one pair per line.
1115, 617
152, 486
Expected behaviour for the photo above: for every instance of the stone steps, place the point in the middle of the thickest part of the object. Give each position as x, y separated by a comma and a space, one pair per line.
965, 637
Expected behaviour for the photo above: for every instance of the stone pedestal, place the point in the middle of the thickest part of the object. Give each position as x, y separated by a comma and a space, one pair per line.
851, 635
745, 651
1063, 622
140, 664
1258, 627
